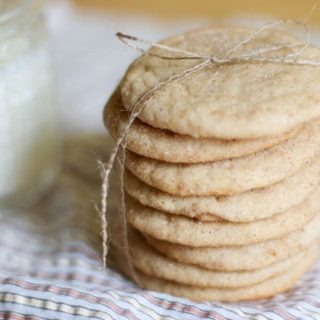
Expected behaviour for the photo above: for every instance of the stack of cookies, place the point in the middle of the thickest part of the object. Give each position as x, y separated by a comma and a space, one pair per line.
222, 173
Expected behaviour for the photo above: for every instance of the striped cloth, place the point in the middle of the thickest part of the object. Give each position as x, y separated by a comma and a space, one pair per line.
50, 266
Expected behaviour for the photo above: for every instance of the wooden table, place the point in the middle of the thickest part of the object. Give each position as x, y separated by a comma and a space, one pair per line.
173, 9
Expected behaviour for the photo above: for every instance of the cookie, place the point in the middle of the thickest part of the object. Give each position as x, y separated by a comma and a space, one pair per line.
244, 207
152, 263
231, 101
242, 258
230, 176
266, 289
182, 230
166, 146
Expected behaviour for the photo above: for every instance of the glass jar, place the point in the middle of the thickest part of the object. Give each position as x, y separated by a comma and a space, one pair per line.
29, 137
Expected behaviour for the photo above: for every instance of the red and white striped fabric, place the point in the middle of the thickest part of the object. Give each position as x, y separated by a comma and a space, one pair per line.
50, 269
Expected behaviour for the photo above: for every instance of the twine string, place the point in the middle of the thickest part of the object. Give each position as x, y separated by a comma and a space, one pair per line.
259, 55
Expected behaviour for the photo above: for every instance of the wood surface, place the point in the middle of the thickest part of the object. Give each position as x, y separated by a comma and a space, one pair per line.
181, 9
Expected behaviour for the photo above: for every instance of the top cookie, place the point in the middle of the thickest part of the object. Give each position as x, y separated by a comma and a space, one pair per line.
240, 100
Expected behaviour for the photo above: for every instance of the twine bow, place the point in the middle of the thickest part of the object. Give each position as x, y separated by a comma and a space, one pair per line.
230, 56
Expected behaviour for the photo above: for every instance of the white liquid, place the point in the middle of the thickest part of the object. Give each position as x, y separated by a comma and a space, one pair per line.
29, 137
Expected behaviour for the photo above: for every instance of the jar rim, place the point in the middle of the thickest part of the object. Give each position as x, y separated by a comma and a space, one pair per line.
14, 9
